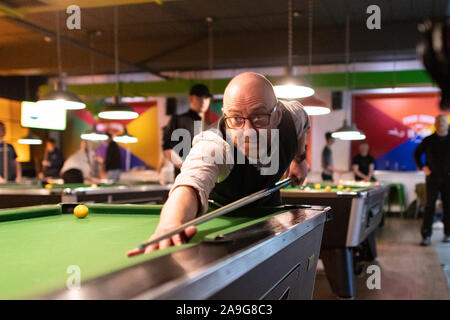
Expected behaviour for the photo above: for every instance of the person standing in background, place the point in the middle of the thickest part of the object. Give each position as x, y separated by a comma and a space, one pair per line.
52, 162
436, 148
113, 160
199, 100
8, 164
363, 164
327, 159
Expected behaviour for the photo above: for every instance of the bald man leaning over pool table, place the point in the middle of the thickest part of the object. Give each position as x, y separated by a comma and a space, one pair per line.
249, 106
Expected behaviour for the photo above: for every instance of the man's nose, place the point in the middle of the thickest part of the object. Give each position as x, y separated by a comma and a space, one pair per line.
248, 125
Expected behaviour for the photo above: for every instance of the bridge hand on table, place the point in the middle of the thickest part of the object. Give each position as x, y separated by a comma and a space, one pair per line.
175, 240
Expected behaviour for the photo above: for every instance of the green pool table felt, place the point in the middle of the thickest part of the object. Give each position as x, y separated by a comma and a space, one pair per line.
37, 248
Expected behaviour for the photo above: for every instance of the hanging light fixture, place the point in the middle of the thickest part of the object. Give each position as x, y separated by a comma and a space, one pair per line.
30, 139
347, 132
94, 135
313, 105
117, 110
125, 137
59, 96
291, 88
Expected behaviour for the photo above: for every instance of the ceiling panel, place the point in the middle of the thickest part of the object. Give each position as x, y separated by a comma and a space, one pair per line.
173, 35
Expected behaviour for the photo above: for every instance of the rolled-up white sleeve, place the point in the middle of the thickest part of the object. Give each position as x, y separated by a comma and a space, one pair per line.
299, 115
206, 163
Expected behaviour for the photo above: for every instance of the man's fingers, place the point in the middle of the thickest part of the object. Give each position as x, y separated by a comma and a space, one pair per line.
151, 248
178, 239
190, 232
175, 240
163, 244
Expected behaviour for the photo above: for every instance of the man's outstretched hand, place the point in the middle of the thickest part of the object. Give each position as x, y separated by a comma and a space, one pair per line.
176, 240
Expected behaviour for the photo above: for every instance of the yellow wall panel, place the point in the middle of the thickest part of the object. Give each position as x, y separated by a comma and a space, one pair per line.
10, 116
145, 128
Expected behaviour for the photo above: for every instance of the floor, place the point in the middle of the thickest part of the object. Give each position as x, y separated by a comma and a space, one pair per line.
408, 271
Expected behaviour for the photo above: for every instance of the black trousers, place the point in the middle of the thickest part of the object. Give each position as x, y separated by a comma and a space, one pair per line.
434, 186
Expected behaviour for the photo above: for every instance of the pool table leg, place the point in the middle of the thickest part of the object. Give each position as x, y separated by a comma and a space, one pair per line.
338, 263
371, 247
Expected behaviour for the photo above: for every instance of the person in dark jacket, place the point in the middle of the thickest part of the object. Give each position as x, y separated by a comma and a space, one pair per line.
363, 164
113, 161
52, 161
436, 148
199, 100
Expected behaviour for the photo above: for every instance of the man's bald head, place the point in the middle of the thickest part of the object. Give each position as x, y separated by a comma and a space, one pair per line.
247, 91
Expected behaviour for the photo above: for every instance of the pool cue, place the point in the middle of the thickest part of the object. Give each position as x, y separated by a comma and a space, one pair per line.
214, 214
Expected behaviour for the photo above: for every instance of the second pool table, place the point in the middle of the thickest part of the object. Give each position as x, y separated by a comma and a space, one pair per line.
17, 195
350, 237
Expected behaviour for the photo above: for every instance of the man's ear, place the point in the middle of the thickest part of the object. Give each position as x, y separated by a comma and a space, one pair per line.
278, 113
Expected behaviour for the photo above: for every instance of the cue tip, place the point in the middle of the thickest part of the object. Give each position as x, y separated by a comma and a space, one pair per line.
135, 252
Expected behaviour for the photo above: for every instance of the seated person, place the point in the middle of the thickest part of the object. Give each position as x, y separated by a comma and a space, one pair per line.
73, 176
364, 164
83, 161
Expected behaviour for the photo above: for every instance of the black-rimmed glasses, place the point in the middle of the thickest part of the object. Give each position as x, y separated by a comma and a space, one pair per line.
257, 121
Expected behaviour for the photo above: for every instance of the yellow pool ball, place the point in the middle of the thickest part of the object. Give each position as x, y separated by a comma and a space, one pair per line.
80, 211
348, 189
48, 186
340, 187
317, 186
327, 188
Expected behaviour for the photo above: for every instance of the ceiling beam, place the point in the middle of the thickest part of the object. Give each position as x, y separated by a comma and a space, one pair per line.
57, 5
172, 49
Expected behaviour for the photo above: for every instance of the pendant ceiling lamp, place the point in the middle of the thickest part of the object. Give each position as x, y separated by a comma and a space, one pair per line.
117, 110
313, 105
59, 96
291, 88
348, 132
30, 139
94, 135
125, 137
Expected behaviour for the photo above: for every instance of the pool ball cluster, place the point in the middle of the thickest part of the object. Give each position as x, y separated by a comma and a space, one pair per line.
318, 187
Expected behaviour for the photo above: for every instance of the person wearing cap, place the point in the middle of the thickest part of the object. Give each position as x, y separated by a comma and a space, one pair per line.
199, 100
